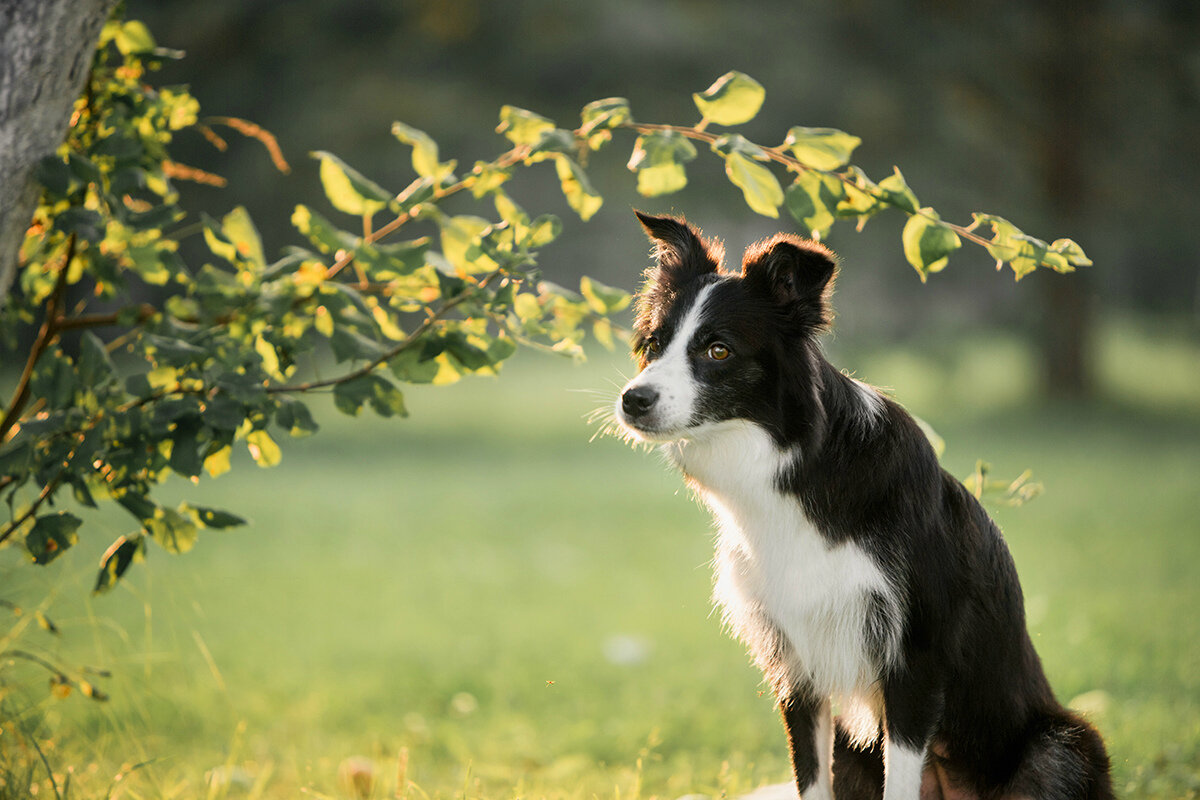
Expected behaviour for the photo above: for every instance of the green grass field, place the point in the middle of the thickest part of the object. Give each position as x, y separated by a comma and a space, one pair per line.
525, 614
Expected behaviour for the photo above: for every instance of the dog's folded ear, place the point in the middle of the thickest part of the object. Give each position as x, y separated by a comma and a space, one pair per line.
679, 248
797, 272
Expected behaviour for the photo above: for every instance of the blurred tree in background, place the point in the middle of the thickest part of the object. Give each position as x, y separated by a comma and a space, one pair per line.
1072, 117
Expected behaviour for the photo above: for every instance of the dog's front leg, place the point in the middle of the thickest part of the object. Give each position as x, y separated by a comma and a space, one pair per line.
810, 737
912, 706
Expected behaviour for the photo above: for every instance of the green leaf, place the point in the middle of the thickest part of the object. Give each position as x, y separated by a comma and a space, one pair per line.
759, 185
349, 396
542, 231
411, 366
348, 189
324, 235
893, 189
861, 197
577, 188
550, 142
239, 230
217, 241
148, 264
385, 398
733, 99
658, 159
186, 458
85, 223
470, 356
54, 380
460, 240
604, 114
501, 348
1072, 252
425, 153
263, 449
223, 412
349, 344
522, 127
117, 559
175, 531
821, 148
812, 200
928, 243
137, 504
293, 416
51, 535
488, 178
134, 38
603, 299
213, 517
54, 175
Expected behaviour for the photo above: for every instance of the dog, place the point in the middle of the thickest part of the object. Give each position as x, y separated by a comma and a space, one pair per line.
853, 567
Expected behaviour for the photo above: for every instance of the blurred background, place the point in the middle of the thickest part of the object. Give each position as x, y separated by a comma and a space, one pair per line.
480, 600
1071, 119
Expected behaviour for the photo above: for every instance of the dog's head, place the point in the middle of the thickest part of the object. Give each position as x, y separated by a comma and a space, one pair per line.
714, 345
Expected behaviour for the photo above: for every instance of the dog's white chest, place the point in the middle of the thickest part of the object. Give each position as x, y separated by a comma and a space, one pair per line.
800, 605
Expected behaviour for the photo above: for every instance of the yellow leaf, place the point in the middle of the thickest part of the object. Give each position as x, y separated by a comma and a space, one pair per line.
218, 463
263, 449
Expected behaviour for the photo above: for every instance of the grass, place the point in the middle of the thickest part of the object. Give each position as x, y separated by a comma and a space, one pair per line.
482, 603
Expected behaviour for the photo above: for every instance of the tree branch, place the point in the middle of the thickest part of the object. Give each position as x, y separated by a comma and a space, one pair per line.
394, 351
45, 337
794, 164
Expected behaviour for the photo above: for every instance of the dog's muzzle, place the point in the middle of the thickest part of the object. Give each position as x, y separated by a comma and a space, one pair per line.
638, 401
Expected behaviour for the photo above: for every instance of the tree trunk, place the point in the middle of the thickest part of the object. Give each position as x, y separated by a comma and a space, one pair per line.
45, 53
1067, 68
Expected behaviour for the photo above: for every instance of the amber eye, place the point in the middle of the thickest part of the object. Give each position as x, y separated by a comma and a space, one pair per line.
718, 352
652, 346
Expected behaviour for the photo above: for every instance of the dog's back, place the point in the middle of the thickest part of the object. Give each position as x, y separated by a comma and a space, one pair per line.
849, 562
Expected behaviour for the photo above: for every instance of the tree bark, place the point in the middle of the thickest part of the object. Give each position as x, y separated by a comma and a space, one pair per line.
45, 53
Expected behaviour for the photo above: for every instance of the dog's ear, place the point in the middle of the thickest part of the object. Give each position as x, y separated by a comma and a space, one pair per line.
680, 249
797, 273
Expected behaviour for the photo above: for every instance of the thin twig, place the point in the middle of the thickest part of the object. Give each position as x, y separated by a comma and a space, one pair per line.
778, 155
507, 159
45, 337
391, 353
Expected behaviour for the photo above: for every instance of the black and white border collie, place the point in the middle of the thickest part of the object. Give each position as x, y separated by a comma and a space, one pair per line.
853, 567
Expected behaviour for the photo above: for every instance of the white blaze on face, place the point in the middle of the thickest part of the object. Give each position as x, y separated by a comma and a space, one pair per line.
670, 375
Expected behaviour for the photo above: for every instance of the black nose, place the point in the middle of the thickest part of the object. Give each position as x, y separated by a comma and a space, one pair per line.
637, 401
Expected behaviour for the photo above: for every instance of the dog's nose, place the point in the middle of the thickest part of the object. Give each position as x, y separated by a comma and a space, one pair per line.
637, 401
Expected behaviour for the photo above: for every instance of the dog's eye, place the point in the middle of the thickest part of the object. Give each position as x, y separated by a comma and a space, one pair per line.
652, 346
717, 352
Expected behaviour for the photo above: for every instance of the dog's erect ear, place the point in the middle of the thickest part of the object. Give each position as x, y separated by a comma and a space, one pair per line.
797, 272
679, 248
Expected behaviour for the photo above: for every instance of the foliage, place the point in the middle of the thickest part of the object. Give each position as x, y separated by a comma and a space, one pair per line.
226, 351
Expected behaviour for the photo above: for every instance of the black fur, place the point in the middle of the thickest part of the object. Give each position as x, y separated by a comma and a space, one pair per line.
968, 682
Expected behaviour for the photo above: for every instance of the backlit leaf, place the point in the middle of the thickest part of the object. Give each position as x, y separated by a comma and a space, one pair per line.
239, 230
175, 531
928, 243
263, 449
658, 159
348, 189
425, 152
821, 148
522, 127
759, 185
603, 299
577, 188
733, 99
812, 200
894, 189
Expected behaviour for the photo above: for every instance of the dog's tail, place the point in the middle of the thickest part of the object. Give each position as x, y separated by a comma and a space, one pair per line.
1064, 759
